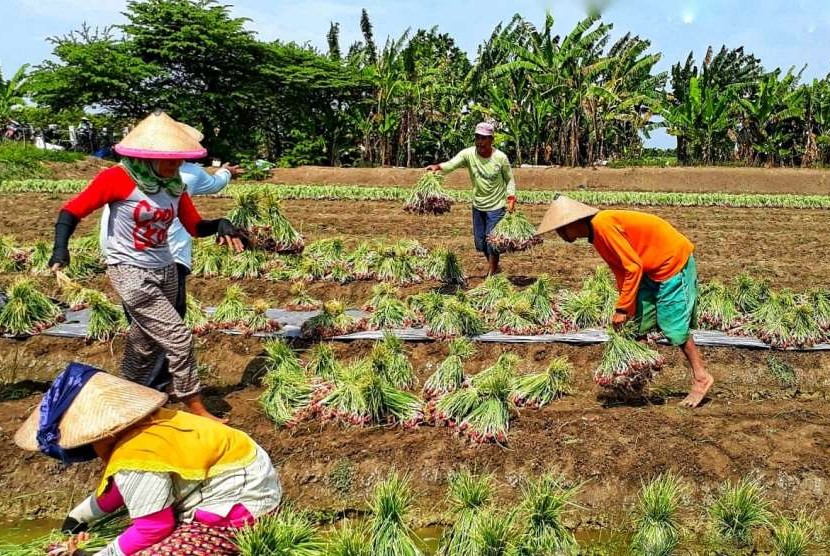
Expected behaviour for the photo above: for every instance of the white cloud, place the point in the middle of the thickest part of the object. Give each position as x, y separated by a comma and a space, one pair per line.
688, 16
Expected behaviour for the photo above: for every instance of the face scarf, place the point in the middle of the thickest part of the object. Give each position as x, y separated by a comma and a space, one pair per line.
143, 172
52, 408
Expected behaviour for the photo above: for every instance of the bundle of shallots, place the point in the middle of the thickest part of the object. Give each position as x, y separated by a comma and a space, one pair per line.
513, 233
332, 320
626, 363
429, 196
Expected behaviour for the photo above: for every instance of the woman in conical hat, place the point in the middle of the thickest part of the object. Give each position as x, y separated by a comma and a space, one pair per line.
145, 194
196, 182
187, 482
654, 265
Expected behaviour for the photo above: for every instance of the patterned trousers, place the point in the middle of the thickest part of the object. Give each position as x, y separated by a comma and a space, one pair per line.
195, 539
149, 296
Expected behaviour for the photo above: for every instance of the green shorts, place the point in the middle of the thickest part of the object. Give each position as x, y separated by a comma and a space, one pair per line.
670, 306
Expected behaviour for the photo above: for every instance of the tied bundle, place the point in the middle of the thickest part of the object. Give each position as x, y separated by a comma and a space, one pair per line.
332, 320
626, 363
268, 229
513, 233
27, 310
429, 196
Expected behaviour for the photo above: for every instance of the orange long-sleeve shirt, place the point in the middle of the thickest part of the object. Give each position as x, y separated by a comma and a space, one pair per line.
636, 243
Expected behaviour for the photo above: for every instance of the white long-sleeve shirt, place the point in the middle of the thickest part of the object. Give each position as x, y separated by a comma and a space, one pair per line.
197, 182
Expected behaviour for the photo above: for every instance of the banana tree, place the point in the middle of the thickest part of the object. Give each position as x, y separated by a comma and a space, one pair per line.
11, 91
702, 119
766, 116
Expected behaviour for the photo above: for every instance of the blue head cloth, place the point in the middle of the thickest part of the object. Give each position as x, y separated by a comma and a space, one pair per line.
55, 402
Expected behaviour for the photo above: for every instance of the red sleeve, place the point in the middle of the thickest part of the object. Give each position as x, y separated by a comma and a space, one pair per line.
113, 184
188, 215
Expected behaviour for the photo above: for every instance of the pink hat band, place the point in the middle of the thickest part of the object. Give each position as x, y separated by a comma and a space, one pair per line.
160, 155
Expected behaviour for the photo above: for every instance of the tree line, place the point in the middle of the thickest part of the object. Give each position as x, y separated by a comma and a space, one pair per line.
574, 98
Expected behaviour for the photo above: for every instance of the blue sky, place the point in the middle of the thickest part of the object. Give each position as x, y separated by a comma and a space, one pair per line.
781, 33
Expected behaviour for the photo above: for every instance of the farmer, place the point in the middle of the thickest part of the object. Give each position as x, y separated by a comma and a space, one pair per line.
196, 182
146, 194
655, 270
187, 482
493, 187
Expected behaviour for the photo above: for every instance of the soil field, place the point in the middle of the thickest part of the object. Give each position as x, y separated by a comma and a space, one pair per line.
708, 179
692, 179
727, 241
751, 423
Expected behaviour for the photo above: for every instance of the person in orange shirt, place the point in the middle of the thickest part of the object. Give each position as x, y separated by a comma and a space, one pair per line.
654, 266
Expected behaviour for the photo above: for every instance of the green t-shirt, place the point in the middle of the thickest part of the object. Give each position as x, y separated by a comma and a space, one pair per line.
492, 177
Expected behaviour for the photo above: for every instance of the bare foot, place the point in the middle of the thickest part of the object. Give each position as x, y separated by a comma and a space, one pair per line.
700, 387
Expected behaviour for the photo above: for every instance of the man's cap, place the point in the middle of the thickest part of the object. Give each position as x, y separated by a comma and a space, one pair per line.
486, 129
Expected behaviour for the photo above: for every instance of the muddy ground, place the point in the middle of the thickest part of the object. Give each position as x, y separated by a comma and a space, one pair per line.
752, 424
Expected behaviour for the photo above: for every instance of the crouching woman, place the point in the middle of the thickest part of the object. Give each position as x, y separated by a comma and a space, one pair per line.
187, 482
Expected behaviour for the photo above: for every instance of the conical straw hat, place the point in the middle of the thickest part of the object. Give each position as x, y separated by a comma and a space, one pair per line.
104, 406
160, 136
563, 211
192, 131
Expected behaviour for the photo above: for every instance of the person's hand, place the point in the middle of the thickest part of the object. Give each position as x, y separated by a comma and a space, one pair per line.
511, 204
234, 169
618, 320
234, 243
59, 258
230, 235
433, 168
70, 546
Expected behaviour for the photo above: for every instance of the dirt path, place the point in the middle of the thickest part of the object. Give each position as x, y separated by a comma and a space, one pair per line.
711, 179
704, 179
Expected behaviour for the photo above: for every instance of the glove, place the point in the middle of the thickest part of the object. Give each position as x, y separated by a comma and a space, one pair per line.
225, 228
73, 526
60, 255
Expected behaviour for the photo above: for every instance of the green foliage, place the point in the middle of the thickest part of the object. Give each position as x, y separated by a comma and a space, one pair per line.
288, 532
24, 161
391, 503
341, 476
794, 537
255, 170
534, 197
560, 96
781, 371
658, 529
27, 310
11, 91
738, 510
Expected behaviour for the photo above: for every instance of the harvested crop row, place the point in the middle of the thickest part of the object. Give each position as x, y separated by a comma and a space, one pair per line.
360, 193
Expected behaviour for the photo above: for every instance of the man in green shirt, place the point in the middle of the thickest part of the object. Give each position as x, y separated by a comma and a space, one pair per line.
494, 189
